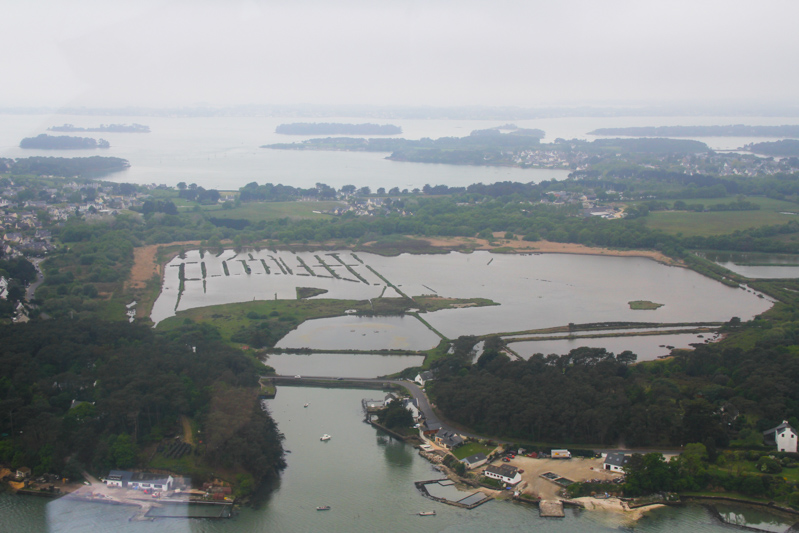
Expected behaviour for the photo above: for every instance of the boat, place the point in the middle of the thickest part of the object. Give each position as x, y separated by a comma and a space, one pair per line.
427, 513
325, 437
323, 508
306, 405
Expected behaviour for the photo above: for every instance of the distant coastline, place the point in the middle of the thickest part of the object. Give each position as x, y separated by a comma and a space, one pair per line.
102, 128
737, 130
62, 142
335, 128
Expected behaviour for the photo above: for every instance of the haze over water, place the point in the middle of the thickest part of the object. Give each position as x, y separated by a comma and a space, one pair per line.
224, 152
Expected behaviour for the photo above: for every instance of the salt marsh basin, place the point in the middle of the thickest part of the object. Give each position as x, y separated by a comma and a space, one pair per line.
534, 291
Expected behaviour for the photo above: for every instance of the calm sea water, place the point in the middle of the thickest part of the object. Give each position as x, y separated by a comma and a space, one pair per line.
224, 153
756, 265
365, 476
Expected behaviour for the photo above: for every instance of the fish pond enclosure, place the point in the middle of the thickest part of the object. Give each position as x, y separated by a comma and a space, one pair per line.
532, 292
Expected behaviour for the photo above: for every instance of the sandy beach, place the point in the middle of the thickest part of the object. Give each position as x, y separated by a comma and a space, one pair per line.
615, 505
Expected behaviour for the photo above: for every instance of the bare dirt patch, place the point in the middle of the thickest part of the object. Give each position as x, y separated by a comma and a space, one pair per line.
576, 469
547, 247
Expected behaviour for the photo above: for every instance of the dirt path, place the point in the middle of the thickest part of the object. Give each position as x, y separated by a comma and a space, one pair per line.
145, 265
188, 436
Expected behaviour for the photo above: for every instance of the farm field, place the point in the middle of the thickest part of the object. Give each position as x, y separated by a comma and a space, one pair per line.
721, 222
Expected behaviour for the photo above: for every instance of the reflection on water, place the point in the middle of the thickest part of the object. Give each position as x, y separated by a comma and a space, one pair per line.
341, 364
647, 348
361, 333
757, 265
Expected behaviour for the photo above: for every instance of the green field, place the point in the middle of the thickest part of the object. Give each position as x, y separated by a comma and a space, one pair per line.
720, 222
471, 448
272, 210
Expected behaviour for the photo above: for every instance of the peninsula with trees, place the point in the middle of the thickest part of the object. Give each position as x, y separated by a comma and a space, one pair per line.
102, 128
64, 166
500, 146
62, 142
334, 128
736, 130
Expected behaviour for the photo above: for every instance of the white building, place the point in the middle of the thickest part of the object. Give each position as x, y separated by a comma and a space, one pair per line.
784, 436
139, 480
615, 462
505, 473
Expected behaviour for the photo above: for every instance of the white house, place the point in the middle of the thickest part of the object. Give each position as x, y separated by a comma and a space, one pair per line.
423, 377
784, 436
505, 473
412, 405
615, 462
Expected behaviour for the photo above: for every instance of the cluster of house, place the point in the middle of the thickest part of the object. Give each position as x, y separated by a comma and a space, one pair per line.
551, 159
139, 481
734, 164
369, 207
21, 221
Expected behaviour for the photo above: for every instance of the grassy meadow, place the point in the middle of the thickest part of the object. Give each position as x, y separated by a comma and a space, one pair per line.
689, 223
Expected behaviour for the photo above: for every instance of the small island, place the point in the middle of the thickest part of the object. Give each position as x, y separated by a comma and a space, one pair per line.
332, 128
102, 128
736, 130
62, 142
644, 305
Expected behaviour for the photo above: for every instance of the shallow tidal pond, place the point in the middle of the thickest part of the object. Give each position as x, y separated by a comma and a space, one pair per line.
533, 291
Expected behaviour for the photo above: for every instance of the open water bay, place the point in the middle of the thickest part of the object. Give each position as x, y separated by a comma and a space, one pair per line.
365, 476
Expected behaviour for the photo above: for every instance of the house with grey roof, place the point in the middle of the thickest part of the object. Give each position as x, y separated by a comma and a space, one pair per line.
783, 436
473, 461
615, 462
448, 439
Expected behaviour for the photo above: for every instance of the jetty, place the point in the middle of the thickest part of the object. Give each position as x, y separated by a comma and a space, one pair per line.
551, 509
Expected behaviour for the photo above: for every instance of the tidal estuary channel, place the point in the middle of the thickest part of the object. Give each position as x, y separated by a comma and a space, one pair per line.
365, 476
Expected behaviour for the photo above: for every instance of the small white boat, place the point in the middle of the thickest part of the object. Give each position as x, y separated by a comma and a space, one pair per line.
427, 513
325, 437
306, 405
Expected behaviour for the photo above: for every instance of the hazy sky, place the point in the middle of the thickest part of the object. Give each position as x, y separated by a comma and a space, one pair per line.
434, 52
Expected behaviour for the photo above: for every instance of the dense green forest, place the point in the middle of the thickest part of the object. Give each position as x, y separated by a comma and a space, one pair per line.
92, 394
333, 128
592, 397
62, 142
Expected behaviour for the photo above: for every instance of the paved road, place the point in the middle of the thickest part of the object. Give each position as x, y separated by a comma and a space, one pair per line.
39, 280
